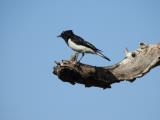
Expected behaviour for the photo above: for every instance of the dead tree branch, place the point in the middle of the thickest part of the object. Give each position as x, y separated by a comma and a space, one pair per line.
134, 65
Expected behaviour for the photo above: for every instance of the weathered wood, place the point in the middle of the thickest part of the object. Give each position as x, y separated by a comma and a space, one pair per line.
134, 65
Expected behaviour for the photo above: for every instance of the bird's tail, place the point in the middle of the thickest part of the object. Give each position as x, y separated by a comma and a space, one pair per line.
100, 54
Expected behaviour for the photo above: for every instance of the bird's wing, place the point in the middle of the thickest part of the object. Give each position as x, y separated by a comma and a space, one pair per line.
81, 41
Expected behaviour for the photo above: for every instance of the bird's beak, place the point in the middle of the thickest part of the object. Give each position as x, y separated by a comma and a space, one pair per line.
59, 36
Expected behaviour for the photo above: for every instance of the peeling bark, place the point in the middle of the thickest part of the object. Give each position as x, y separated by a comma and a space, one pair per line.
134, 65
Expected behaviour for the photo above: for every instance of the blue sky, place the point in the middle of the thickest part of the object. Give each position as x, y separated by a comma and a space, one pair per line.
29, 47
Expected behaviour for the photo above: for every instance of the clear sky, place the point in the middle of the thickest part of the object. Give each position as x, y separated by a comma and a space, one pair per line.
29, 47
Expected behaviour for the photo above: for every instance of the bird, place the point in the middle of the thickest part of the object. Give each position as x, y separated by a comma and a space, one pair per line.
79, 45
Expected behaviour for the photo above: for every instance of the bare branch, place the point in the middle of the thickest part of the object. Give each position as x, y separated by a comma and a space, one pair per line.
134, 65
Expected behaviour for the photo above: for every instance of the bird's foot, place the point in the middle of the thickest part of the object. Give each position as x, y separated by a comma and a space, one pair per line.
73, 61
74, 58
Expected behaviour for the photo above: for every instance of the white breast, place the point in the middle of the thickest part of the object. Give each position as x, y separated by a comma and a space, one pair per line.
79, 48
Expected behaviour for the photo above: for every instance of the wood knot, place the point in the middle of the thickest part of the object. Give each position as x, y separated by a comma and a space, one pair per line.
133, 54
143, 45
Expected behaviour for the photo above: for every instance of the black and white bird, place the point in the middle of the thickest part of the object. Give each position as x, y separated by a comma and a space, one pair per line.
79, 45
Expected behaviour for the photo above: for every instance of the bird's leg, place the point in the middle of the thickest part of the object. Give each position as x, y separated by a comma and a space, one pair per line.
74, 57
81, 57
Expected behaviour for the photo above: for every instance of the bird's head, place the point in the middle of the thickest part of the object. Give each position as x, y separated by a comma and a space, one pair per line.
66, 34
